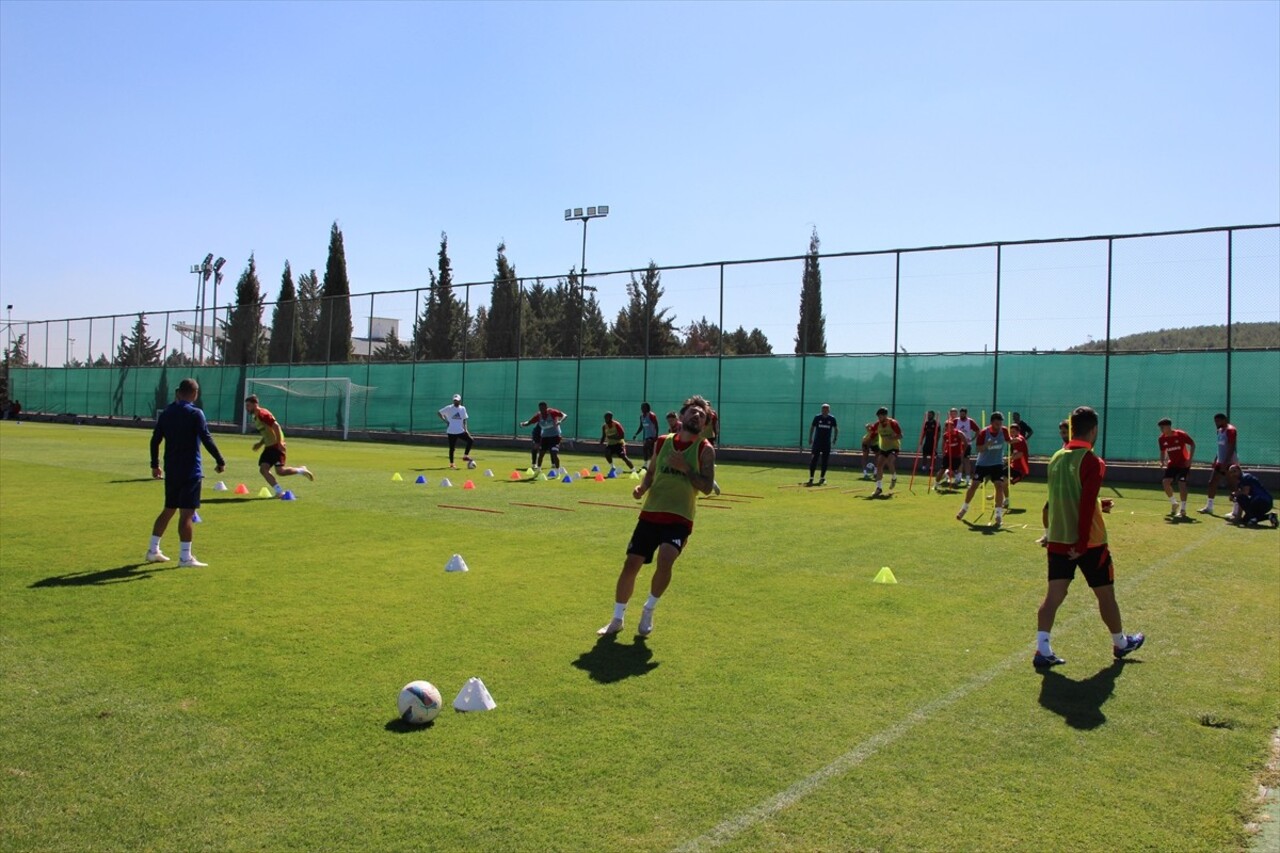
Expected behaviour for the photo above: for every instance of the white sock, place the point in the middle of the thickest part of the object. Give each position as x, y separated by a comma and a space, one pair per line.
619, 610
1119, 640
651, 603
879, 483
964, 507
1173, 501
999, 513
1209, 503
279, 489
184, 550
155, 544
1182, 506
1042, 643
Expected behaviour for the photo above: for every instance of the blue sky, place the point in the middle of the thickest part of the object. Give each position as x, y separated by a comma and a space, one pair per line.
137, 137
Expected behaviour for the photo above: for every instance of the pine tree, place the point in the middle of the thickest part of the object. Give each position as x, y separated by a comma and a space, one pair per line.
442, 326
335, 304
811, 331
702, 337
502, 331
309, 342
285, 339
540, 312
136, 348
742, 342
244, 335
640, 327
392, 349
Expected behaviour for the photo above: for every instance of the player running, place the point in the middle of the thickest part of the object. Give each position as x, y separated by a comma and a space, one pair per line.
614, 439
272, 446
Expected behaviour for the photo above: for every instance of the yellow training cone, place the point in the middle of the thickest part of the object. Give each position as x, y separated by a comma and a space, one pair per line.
264, 492
396, 478
885, 575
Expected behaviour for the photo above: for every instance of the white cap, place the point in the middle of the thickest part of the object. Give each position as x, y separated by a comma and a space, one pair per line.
457, 398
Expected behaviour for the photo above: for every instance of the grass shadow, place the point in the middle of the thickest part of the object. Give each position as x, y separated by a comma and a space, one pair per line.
121, 574
1079, 703
134, 480
238, 499
398, 726
609, 661
984, 529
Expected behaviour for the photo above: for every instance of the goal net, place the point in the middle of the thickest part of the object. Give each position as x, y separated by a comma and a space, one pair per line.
321, 403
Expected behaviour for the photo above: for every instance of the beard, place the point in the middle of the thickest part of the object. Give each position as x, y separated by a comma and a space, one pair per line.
691, 427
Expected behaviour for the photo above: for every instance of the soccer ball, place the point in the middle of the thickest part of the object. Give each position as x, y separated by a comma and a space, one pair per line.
471, 463
419, 702
870, 469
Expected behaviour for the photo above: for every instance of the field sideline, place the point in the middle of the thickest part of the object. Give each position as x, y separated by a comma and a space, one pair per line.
784, 701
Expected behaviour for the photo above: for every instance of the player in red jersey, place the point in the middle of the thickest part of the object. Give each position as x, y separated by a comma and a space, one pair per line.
1176, 450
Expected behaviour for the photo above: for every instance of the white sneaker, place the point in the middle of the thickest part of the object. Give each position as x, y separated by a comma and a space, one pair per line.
877, 493
304, 472
614, 626
715, 487
1205, 510
646, 622
191, 563
156, 557
960, 514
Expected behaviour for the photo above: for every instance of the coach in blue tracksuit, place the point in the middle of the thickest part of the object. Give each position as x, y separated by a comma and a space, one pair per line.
1253, 501
182, 428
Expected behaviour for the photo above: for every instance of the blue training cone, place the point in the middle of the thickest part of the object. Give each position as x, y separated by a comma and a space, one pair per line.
288, 496
421, 481
612, 475
595, 469
567, 479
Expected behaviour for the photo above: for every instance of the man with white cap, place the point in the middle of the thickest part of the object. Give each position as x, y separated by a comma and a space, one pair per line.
455, 415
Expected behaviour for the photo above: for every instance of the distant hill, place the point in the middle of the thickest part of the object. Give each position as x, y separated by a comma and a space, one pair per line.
1243, 336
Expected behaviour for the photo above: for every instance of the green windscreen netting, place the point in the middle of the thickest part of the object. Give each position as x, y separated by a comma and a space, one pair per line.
764, 401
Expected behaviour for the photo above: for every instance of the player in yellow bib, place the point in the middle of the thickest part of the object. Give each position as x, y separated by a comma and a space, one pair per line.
683, 464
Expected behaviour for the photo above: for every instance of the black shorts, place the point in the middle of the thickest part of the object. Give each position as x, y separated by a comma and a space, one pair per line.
182, 494
1095, 564
649, 444
550, 443
892, 452
952, 460
273, 455
1177, 473
612, 450
648, 535
994, 473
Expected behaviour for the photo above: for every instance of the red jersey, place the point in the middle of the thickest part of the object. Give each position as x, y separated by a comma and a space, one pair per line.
954, 442
1018, 462
1174, 446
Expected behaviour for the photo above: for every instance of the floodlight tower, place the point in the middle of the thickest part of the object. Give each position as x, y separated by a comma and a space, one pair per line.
217, 280
202, 271
586, 216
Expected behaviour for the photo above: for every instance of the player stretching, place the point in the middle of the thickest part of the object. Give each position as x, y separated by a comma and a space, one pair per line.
1077, 538
1176, 449
272, 445
684, 464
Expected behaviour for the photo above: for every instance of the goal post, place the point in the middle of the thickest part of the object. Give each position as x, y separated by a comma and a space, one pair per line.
319, 402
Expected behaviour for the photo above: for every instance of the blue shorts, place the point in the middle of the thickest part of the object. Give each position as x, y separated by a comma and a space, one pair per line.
182, 494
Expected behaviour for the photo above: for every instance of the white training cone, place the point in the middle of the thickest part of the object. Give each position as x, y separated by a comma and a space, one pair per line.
456, 564
221, 487
474, 696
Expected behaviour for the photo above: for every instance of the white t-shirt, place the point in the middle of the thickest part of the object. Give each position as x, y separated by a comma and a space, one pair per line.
457, 417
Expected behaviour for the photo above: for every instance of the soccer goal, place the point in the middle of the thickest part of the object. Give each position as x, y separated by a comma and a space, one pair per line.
323, 403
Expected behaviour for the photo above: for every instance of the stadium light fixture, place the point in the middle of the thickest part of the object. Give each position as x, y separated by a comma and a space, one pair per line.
217, 280
590, 213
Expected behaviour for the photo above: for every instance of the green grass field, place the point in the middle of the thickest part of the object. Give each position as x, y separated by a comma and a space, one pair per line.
783, 702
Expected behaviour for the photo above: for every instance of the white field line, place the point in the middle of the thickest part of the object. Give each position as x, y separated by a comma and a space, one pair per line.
732, 827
